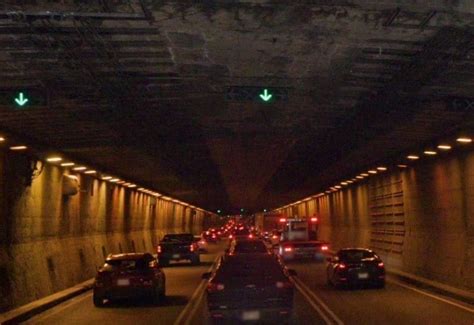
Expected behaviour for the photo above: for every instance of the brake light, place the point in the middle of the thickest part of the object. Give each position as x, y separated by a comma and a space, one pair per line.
274, 236
314, 219
283, 285
283, 220
341, 266
324, 247
218, 232
288, 249
380, 264
191, 248
213, 287
158, 249
213, 236
230, 236
250, 236
207, 232
202, 242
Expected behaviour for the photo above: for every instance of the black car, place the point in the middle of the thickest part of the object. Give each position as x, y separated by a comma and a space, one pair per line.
355, 266
129, 276
248, 247
250, 288
178, 247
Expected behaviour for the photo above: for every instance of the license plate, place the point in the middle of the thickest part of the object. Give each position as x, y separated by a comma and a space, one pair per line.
123, 282
251, 315
363, 275
175, 255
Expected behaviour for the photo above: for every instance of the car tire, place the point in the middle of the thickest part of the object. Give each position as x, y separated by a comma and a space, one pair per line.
98, 300
195, 260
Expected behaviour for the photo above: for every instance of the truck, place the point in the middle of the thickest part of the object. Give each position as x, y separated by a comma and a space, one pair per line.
299, 240
178, 247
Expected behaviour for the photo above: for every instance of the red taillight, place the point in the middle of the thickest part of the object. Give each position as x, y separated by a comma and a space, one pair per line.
283, 220
341, 266
314, 219
218, 232
158, 249
230, 236
213, 236
284, 285
324, 247
207, 232
380, 264
213, 287
288, 249
250, 236
202, 242
191, 248
274, 236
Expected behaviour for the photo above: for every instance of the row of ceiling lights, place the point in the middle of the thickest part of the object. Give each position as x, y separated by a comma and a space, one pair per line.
411, 157
88, 171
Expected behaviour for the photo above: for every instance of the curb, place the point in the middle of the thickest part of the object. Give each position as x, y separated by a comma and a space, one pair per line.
25, 312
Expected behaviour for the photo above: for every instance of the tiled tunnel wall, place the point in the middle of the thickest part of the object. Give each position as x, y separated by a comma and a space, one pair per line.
420, 219
50, 242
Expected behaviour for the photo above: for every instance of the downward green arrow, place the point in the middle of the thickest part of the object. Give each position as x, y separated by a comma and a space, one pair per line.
266, 96
21, 100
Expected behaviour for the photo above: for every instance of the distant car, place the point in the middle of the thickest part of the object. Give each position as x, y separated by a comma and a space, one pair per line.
129, 276
209, 236
201, 243
178, 247
352, 266
248, 247
250, 287
242, 233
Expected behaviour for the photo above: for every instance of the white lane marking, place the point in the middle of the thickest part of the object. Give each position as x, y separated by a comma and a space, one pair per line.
310, 301
320, 302
184, 317
471, 310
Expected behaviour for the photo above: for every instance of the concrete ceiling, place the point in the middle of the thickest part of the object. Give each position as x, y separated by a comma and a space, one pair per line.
139, 87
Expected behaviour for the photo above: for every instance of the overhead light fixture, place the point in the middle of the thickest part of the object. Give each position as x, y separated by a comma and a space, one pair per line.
337, 186
413, 157
402, 166
131, 185
90, 172
18, 148
381, 168
2, 139
344, 183
359, 177
106, 178
119, 182
372, 171
141, 189
79, 168
464, 140
114, 180
68, 164
327, 192
54, 159
430, 152
364, 174
444, 147
350, 182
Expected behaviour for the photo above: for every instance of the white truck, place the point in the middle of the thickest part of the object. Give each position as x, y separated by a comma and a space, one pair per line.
299, 240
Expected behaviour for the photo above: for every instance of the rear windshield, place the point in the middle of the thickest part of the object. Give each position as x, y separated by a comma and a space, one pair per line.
355, 255
132, 264
250, 247
178, 238
242, 268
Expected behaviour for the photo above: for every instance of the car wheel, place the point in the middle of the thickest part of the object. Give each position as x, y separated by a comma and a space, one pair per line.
195, 260
98, 300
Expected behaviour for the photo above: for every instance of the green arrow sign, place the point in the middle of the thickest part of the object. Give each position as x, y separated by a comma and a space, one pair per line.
21, 100
266, 96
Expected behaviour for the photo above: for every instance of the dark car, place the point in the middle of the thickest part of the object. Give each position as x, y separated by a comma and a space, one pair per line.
178, 247
353, 266
248, 247
129, 276
250, 287
210, 236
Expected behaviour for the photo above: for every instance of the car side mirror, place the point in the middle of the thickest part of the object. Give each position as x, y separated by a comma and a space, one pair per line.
206, 276
292, 272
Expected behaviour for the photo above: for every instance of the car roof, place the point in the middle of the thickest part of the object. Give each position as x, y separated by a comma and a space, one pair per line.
356, 249
128, 256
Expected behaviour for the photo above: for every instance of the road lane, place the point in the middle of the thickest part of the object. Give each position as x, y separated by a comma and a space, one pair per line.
393, 305
182, 280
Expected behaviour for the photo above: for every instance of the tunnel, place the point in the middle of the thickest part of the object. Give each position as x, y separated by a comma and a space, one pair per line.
123, 121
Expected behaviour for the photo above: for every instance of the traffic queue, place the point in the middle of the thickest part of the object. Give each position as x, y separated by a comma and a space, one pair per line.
251, 281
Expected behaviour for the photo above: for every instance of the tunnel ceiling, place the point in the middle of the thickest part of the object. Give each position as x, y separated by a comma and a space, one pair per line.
140, 88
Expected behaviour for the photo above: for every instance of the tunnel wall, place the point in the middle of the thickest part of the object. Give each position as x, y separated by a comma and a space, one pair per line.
49, 242
419, 219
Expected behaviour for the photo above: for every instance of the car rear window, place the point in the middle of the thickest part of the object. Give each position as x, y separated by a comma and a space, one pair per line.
122, 264
355, 255
250, 247
178, 237
246, 268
